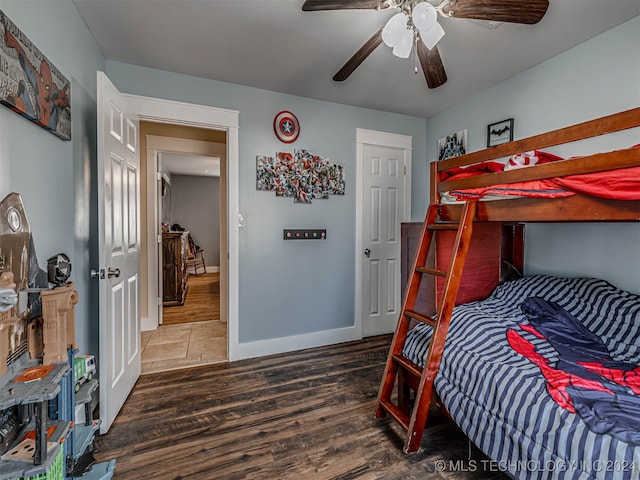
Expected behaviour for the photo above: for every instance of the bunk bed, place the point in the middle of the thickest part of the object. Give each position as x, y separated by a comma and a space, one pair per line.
543, 375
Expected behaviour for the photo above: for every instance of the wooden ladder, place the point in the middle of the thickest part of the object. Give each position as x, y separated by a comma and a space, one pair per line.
400, 368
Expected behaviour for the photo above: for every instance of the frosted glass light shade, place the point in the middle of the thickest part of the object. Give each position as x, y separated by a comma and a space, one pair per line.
392, 31
432, 36
402, 49
424, 16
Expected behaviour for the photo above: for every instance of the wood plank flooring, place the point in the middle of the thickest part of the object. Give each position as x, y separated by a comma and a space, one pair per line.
302, 415
201, 304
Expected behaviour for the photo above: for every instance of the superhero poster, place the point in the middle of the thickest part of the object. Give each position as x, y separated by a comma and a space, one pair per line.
30, 85
301, 175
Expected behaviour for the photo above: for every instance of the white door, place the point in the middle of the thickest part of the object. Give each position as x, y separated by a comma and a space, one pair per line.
383, 211
119, 250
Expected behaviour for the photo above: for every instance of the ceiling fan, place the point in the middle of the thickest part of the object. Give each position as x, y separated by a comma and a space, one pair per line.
416, 24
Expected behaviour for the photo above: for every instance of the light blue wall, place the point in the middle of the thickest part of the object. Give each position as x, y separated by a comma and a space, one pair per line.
195, 205
55, 177
596, 78
288, 288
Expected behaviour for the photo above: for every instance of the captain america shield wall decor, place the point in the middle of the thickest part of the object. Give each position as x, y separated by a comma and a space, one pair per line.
286, 127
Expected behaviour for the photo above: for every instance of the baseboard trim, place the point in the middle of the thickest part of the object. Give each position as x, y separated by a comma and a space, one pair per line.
147, 324
272, 346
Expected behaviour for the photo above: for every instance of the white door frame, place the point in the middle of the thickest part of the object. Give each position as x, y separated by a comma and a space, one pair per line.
380, 139
202, 116
161, 144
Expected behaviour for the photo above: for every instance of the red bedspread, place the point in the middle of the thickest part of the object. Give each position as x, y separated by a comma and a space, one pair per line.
620, 184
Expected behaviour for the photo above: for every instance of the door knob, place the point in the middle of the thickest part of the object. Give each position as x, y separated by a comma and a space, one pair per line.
113, 272
367, 252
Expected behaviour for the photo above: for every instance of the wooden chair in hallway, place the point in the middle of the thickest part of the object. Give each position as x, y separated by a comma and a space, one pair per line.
195, 258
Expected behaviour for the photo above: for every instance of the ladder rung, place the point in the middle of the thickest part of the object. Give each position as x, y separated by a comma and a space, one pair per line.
431, 271
443, 226
397, 414
408, 365
421, 318
402, 371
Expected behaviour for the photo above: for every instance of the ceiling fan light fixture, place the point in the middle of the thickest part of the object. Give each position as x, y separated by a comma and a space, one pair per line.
424, 16
416, 17
432, 36
402, 49
392, 31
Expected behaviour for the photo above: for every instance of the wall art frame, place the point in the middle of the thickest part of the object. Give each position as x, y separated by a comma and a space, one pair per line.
303, 175
452, 145
30, 84
500, 132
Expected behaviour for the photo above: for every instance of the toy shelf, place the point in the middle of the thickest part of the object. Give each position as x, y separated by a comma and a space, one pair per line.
84, 394
21, 389
15, 392
15, 468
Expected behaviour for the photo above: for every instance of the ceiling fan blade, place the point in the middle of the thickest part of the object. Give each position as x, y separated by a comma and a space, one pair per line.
514, 11
432, 66
316, 5
359, 57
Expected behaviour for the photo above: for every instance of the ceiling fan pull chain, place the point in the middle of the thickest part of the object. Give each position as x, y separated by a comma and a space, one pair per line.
414, 57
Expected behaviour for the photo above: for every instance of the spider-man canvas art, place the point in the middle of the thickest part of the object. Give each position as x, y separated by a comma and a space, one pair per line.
30, 85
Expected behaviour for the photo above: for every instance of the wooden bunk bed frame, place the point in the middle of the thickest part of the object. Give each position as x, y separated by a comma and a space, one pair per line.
579, 207
461, 217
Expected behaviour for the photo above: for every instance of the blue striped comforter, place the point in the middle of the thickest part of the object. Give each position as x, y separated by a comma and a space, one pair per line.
499, 398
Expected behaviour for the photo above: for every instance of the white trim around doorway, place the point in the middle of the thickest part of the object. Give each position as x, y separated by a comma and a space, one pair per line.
202, 116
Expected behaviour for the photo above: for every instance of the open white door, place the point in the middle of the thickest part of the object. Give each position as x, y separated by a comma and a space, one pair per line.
119, 250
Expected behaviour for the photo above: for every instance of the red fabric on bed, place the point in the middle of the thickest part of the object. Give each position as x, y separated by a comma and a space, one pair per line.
535, 188
475, 169
521, 160
528, 159
621, 184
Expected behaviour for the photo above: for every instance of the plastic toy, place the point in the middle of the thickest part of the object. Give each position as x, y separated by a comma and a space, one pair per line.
6, 321
59, 330
58, 269
84, 368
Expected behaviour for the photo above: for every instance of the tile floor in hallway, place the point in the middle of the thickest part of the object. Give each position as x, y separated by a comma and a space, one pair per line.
171, 347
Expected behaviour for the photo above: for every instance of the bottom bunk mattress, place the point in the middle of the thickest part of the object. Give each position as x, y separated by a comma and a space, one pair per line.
544, 377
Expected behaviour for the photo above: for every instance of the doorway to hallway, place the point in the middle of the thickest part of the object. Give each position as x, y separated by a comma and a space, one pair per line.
191, 195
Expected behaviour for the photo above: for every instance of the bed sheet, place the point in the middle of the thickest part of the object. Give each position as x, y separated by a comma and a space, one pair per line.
500, 398
619, 184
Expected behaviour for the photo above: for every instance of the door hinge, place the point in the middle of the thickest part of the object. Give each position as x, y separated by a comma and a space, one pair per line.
159, 301
158, 176
159, 239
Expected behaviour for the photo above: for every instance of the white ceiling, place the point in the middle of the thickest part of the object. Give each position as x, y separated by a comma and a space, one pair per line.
183, 164
273, 45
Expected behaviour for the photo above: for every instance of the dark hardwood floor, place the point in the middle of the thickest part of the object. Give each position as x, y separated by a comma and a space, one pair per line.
304, 415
